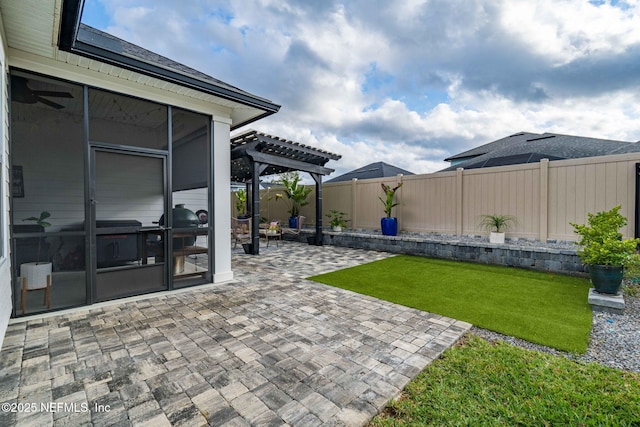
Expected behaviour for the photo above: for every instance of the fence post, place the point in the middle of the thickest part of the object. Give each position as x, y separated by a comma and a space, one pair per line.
458, 195
544, 200
354, 203
399, 200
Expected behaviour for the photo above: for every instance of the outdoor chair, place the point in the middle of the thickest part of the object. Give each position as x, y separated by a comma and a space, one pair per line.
240, 230
295, 231
274, 231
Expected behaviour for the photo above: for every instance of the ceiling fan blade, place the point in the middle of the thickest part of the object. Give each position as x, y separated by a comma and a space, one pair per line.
50, 103
53, 94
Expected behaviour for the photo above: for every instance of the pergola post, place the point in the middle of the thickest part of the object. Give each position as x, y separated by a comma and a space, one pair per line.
256, 170
264, 154
247, 204
318, 179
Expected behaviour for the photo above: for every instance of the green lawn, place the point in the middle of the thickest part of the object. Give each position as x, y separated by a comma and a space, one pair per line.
478, 383
544, 308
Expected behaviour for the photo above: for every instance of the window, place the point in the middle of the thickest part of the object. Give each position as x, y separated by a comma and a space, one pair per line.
47, 163
190, 146
124, 120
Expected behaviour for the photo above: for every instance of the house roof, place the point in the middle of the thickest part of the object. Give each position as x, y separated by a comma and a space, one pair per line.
93, 42
274, 155
168, 68
372, 170
32, 25
525, 147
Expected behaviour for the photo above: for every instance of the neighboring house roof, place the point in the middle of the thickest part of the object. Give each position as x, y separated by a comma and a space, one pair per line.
373, 170
525, 147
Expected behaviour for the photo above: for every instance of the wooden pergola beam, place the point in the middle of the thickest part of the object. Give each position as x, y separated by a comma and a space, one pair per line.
263, 153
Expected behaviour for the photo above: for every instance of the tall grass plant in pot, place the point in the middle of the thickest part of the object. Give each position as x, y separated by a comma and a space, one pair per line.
497, 225
389, 224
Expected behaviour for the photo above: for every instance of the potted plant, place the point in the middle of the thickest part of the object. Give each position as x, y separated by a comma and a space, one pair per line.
497, 225
337, 222
604, 251
241, 203
36, 272
389, 224
296, 194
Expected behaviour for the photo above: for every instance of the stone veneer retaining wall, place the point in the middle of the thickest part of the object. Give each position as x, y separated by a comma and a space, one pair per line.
536, 257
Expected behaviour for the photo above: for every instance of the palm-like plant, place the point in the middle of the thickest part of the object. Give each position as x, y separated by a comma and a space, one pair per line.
241, 202
499, 223
296, 193
388, 201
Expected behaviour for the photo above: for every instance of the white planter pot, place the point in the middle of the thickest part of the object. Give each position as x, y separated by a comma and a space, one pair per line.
496, 238
336, 228
36, 274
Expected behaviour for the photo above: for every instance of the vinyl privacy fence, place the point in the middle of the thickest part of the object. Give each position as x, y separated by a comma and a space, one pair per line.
544, 197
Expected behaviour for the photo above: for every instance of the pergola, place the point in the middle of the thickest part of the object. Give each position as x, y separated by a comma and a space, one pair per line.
254, 154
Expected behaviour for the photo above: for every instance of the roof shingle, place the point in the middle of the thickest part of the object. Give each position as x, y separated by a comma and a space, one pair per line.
527, 147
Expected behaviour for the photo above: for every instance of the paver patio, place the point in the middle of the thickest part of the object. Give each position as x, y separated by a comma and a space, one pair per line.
269, 348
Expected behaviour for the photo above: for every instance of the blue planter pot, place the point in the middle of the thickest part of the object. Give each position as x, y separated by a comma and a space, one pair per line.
293, 222
389, 226
606, 279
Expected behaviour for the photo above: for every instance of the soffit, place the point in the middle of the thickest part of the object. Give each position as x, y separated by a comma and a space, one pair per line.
30, 25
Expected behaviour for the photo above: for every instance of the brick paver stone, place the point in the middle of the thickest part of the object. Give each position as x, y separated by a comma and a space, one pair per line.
269, 348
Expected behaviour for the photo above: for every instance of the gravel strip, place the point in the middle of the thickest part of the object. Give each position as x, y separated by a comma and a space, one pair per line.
614, 341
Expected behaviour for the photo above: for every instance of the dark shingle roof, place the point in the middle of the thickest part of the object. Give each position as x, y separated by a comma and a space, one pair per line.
373, 170
527, 147
114, 44
89, 42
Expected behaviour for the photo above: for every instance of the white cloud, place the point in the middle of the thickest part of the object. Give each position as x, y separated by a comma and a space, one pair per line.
566, 30
449, 74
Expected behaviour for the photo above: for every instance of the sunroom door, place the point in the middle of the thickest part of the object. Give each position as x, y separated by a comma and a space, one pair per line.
128, 209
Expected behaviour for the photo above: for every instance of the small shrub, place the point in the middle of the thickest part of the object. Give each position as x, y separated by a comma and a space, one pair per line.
601, 242
337, 219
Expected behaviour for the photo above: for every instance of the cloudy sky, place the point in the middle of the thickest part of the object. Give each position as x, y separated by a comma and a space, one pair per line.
407, 82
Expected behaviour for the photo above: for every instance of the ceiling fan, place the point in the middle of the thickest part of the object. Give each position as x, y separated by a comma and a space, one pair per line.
20, 92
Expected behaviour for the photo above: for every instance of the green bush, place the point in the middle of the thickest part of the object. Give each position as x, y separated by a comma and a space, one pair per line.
601, 242
337, 218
